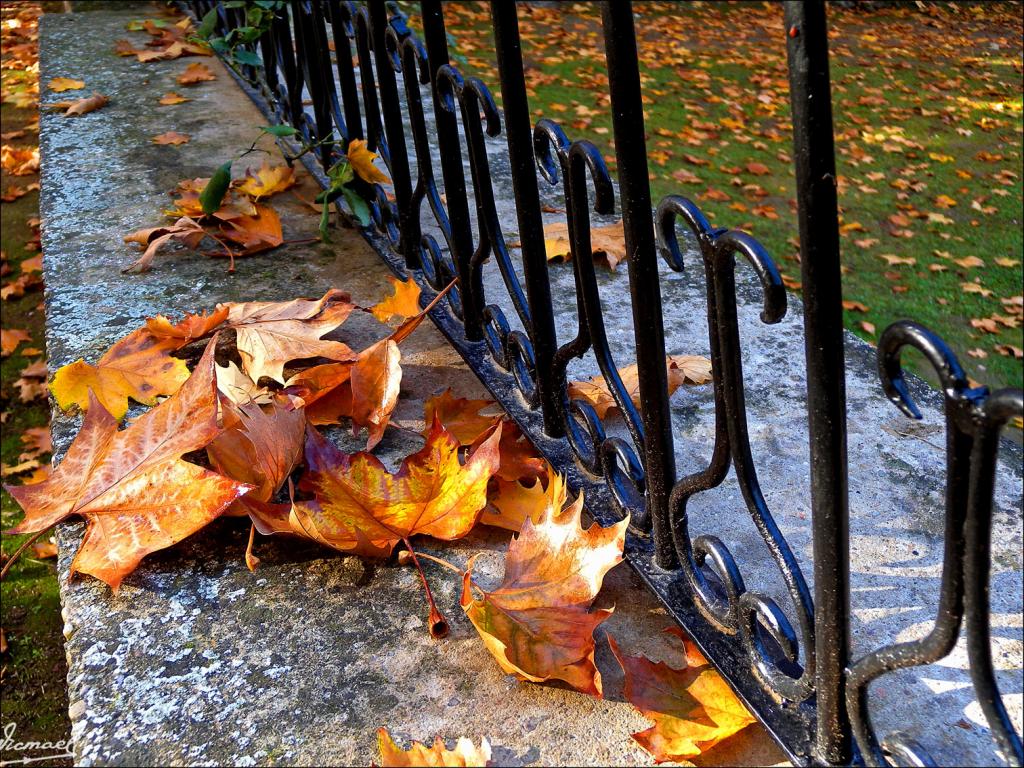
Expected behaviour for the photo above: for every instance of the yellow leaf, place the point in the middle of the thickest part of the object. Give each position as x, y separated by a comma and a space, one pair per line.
464, 754
268, 180
172, 98
404, 302
60, 84
137, 367
361, 159
512, 503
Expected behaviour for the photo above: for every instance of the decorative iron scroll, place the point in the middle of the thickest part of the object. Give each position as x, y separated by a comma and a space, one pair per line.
798, 680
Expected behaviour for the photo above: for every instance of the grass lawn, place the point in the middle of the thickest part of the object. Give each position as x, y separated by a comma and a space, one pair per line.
928, 138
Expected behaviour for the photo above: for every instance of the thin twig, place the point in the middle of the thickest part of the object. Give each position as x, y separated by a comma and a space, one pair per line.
25, 545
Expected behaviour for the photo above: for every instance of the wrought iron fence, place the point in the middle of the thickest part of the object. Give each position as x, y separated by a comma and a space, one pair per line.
801, 681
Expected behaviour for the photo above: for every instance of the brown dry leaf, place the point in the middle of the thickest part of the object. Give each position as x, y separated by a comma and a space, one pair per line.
60, 84
1004, 262
258, 447
171, 137
184, 230
945, 201
893, 260
86, 105
867, 327
32, 382
511, 503
607, 243
37, 441
758, 169
464, 754
271, 334
9, 470
975, 288
10, 338
259, 232
197, 72
361, 159
693, 708
404, 302
171, 98
137, 366
537, 624
133, 489
239, 388
682, 369
969, 262
267, 180
43, 550
360, 507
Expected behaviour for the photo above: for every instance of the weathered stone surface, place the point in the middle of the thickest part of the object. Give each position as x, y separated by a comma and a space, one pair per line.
198, 661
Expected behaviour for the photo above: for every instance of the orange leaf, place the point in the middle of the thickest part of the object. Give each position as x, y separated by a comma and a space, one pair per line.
511, 503
267, 180
171, 98
361, 159
459, 416
255, 233
464, 754
693, 709
537, 624
259, 447
184, 230
360, 507
171, 137
607, 243
10, 338
758, 169
189, 328
131, 486
194, 73
137, 366
404, 302
60, 84
270, 334
682, 369
86, 105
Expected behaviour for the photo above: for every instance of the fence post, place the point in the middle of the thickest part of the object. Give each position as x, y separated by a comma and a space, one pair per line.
814, 161
516, 106
644, 281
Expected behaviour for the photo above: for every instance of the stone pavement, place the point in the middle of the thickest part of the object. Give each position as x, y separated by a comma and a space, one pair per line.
198, 661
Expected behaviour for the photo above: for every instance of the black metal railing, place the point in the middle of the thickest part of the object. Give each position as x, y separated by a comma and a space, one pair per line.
801, 681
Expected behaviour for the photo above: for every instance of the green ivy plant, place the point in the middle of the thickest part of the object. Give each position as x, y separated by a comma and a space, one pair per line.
259, 15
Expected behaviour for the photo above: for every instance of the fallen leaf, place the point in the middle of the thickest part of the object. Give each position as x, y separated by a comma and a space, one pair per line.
171, 137
867, 327
189, 328
537, 623
975, 288
184, 230
358, 506
682, 369
693, 708
945, 201
893, 260
239, 388
197, 72
267, 180
511, 502
43, 550
37, 441
10, 338
607, 243
86, 105
19, 161
464, 754
60, 84
171, 98
271, 334
969, 262
7, 470
459, 415
135, 492
404, 302
361, 159
137, 366
758, 169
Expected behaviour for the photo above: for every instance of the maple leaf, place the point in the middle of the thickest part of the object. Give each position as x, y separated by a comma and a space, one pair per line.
693, 708
464, 754
137, 366
255, 233
135, 492
537, 623
459, 415
682, 369
607, 243
37, 441
60, 84
10, 338
404, 302
196, 72
267, 180
19, 161
184, 230
32, 382
270, 334
511, 502
360, 507
361, 159
171, 137
258, 447
189, 328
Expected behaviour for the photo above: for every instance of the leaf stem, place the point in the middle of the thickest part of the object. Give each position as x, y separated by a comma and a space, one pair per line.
441, 562
438, 624
25, 545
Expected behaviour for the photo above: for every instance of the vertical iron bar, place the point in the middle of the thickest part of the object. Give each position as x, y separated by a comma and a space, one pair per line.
644, 281
524, 184
450, 149
409, 227
814, 161
340, 25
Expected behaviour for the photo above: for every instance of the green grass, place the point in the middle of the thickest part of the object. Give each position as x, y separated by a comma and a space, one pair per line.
907, 85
